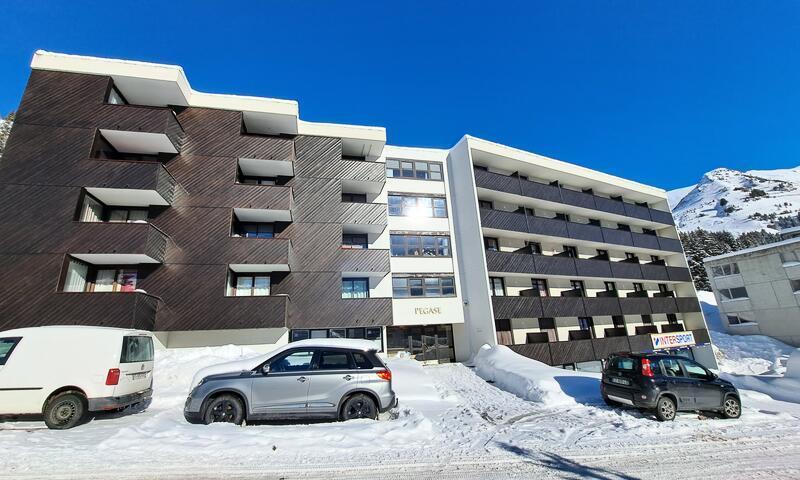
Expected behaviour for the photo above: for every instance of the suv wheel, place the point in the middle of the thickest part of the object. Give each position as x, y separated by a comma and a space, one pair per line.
64, 410
359, 406
732, 408
224, 409
665, 409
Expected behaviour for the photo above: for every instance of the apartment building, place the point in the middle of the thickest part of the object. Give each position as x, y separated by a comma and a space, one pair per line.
130, 199
758, 289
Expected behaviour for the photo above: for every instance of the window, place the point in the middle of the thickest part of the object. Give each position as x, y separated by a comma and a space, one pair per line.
413, 169
571, 251
595, 222
648, 231
254, 230
333, 360
420, 245
540, 287
298, 335
562, 216
101, 280
585, 323
624, 227
622, 363
618, 320
355, 288
655, 258
535, 247
355, 240
603, 254
647, 319
319, 334
610, 286
491, 244
354, 197
297, 361
249, 285
696, 371
115, 97
672, 319
789, 257
361, 361
631, 256
578, 285
7, 346
411, 206
671, 367
795, 284
136, 349
355, 333
498, 286
638, 287
662, 287
92, 210
738, 320
354, 158
733, 293
404, 287
485, 204
254, 180
127, 215
723, 270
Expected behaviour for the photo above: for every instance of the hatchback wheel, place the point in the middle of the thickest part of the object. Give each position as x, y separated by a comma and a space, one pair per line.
359, 406
732, 408
64, 410
224, 409
665, 409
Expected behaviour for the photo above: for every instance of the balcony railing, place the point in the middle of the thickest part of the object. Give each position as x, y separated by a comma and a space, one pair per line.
123, 239
522, 222
538, 307
585, 350
139, 119
510, 262
552, 193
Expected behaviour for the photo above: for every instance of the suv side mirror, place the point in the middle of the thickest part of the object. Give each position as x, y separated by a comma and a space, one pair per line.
265, 368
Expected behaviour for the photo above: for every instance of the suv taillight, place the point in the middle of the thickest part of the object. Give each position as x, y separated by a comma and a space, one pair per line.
384, 374
113, 376
646, 370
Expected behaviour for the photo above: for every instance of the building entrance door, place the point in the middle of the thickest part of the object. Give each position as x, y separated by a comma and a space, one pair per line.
426, 343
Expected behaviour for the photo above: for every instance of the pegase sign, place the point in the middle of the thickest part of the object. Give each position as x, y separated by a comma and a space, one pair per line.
671, 340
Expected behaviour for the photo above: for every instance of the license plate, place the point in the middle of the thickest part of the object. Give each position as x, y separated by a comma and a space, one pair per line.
138, 376
620, 381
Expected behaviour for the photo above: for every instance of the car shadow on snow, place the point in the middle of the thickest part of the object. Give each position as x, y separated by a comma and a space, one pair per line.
585, 390
562, 464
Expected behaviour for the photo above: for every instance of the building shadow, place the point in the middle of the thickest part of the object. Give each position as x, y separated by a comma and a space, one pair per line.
569, 468
585, 390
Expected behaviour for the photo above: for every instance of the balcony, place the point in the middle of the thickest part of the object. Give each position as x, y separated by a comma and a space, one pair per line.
105, 243
551, 193
585, 350
341, 312
535, 264
566, 306
239, 313
521, 222
134, 184
141, 130
120, 310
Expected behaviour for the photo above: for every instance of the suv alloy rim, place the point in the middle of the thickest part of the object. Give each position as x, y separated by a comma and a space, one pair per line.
222, 411
667, 409
731, 407
359, 409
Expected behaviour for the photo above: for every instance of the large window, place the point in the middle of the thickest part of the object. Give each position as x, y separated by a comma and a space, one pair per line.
355, 288
406, 287
412, 206
82, 277
136, 349
249, 285
491, 244
254, 180
414, 169
355, 240
733, 293
93, 210
354, 197
727, 269
739, 319
540, 287
498, 286
254, 230
420, 245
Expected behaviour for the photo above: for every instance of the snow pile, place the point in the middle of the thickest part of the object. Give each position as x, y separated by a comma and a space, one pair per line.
535, 381
785, 388
753, 200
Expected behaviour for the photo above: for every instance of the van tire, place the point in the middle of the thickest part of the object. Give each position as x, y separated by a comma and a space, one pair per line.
65, 410
225, 408
665, 409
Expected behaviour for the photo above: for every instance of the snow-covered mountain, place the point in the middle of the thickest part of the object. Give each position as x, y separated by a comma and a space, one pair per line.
736, 201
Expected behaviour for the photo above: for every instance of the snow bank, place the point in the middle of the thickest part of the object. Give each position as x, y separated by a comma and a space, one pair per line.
785, 388
536, 381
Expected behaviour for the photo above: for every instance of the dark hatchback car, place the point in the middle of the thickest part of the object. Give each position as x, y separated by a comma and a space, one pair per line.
666, 384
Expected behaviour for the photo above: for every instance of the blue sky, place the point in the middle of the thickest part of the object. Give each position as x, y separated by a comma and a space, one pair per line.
658, 92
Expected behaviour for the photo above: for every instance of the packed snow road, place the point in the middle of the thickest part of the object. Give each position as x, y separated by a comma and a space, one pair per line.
451, 424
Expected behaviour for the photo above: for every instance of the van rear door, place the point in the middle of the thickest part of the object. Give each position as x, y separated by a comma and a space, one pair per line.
135, 365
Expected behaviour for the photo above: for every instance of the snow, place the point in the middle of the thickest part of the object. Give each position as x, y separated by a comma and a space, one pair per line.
697, 206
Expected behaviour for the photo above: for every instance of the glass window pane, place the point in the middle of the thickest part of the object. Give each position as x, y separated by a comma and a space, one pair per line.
448, 281
118, 215
435, 175
440, 213
338, 333
355, 333
293, 362
392, 164
439, 202
407, 169
434, 167
137, 215
299, 335
448, 291
104, 281
244, 285
261, 285
424, 202
333, 360
76, 277
126, 279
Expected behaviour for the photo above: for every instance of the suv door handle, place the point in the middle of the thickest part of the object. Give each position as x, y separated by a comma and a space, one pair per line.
348, 377
301, 379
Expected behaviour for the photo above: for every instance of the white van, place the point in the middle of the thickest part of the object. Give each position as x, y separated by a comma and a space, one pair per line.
63, 372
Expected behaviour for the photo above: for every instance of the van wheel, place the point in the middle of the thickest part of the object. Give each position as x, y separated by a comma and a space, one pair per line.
732, 408
665, 409
359, 406
65, 410
224, 409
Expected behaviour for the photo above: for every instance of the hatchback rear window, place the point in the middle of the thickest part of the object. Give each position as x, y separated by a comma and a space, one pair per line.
136, 349
7, 346
362, 361
623, 363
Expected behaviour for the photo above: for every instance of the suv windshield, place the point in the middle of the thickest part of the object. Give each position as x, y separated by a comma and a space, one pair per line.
6, 347
136, 349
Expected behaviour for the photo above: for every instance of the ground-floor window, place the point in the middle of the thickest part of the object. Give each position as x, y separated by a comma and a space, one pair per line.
374, 334
423, 342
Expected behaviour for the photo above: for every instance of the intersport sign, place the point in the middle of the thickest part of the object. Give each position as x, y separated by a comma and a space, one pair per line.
672, 340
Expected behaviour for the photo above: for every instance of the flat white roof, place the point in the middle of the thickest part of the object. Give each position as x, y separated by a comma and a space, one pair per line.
760, 248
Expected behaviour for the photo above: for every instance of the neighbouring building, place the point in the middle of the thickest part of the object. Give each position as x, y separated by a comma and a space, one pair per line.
129, 199
758, 289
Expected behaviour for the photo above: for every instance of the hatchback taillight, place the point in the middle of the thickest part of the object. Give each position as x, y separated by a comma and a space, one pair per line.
113, 376
385, 374
646, 370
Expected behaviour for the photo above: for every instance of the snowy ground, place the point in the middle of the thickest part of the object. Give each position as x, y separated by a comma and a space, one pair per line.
452, 423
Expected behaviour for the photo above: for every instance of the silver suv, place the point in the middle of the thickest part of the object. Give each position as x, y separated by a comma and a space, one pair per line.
342, 380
